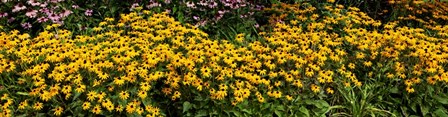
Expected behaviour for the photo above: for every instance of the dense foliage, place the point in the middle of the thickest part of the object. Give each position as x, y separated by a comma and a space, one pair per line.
210, 58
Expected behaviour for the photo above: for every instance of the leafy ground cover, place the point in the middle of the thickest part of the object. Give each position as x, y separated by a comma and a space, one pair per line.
223, 58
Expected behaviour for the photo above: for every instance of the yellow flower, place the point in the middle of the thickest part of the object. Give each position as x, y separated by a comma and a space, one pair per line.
58, 111
260, 99
277, 94
367, 63
23, 104
124, 95
67, 89
431, 80
119, 108
142, 94
351, 66
130, 108
119, 81
96, 109
38, 106
80, 88
315, 88
410, 89
145, 86
85, 105
91, 95
288, 97
330, 91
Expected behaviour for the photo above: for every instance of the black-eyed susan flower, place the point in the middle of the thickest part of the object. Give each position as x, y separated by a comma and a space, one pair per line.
124, 95
86, 105
38, 106
58, 111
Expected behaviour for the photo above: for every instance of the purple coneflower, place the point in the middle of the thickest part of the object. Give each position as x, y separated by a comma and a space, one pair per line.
212, 4
33, 3
133, 6
75, 6
43, 5
153, 4
88, 12
26, 25
11, 19
195, 17
190, 4
167, 1
2, 15
42, 19
31, 13
53, 17
18, 8
65, 13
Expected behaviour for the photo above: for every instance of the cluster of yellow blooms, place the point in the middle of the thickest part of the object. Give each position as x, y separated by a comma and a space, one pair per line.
428, 14
116, 68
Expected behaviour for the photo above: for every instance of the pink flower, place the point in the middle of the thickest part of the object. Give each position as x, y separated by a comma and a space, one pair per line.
2, 15
11, 19
153, 4
18, 8
45, 10
212, 4
43, 4
56, 1
221, 12
26, 25
31, 13
59, 22
167, 1
203, 3
88, 12
195, 17
190, 4
75, 6
133, 6
42, 19
65, 13
201, 23
53, 17
33, 3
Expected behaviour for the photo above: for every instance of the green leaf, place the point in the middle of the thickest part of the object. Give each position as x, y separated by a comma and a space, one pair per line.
440, 113
40, 115
440, 99
23, 115
246, 111
394, 90
304, 111
22, 93
413, 107
321, 104
174, 9
201, 113
76, 96
425, 110
309, 102
278, 113
265, 106
186, 106
236, 113
281, 107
